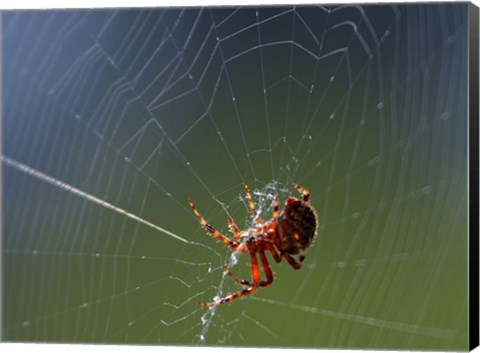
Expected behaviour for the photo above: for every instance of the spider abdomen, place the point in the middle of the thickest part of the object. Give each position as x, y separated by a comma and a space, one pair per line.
296, 226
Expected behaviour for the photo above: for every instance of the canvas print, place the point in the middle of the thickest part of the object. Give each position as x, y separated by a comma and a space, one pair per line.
254, 176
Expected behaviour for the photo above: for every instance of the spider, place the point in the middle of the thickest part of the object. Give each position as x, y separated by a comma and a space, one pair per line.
286, 234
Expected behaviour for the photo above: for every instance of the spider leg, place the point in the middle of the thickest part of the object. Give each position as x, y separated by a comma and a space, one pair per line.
276, 256
242, 282
253, 285
251, 204
296, 265
266, 268
211, 230
303, 191
230, 297
234, 229
275, 208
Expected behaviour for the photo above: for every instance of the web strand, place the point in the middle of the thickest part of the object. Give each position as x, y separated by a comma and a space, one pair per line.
64, 186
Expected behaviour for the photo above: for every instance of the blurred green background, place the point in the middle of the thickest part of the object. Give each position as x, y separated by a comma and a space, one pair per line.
366, 106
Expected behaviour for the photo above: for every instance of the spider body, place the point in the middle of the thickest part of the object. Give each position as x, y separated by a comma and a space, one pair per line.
296, 226
286, 235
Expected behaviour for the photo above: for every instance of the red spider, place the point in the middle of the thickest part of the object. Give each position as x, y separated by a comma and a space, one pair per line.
289, 233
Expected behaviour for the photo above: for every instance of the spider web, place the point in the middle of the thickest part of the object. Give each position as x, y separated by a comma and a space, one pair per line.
114, 118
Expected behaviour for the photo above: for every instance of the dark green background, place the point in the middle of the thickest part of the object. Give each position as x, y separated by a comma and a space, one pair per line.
366, 106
